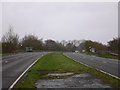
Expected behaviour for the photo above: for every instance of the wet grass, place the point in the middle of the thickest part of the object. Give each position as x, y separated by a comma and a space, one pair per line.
59, 63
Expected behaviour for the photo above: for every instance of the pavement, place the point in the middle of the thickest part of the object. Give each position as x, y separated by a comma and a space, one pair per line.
76, 81
110, 66
13, 66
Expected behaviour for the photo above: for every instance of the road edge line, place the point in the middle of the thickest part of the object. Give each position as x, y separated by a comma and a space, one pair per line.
94, 68
23, 74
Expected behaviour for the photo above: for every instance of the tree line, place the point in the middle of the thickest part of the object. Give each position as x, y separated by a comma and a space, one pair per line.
12, 43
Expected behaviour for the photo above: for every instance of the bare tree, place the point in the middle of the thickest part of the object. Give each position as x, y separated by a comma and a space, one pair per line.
10, 41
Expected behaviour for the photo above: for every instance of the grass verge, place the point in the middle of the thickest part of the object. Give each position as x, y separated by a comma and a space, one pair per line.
7, 54
103, 56
58, 63
109, 56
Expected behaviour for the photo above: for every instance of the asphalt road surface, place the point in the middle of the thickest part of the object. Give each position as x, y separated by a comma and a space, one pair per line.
108, 65
13, 66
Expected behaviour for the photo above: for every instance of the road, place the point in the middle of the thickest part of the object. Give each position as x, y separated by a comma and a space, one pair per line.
13, 66
108, 65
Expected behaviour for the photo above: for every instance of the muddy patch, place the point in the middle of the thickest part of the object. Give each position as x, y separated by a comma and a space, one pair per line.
76, 81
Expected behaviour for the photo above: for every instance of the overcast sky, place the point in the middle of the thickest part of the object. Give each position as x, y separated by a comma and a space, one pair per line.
63, 21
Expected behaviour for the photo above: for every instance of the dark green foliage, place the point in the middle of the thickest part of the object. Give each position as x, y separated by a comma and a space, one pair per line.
98, 46
70, 47
52, 45
114, 45
31, 41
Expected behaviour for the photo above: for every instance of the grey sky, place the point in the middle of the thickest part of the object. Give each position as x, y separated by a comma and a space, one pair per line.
63, 21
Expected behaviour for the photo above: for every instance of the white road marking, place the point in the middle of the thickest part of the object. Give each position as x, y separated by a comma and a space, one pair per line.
6, 61
104, 61
22, 74
94, 68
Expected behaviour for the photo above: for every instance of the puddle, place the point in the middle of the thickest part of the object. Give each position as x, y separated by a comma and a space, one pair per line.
84, 75
59, 74
76, 81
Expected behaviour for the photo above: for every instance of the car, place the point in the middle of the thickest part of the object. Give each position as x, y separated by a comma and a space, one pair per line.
76, 51
29, 49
